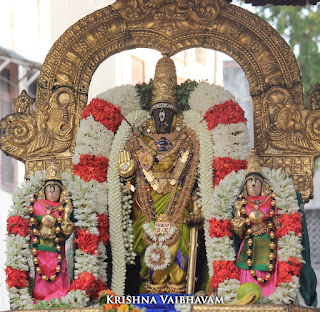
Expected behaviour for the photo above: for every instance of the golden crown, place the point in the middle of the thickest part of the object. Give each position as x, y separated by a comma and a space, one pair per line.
53, 171
164, 85
254, 163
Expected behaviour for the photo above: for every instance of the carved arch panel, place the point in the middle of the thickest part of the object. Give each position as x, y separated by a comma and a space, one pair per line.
286, 134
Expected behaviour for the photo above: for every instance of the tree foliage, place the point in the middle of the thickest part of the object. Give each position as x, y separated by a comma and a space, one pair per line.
300, 27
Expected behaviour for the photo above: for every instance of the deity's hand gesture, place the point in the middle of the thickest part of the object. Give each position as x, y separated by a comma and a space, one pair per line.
126, 165
238, 224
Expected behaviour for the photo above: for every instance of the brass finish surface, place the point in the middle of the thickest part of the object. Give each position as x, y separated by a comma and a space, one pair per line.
285, 131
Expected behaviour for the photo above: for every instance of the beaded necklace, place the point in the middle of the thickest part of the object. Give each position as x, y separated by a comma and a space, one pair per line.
249, 231
57, 238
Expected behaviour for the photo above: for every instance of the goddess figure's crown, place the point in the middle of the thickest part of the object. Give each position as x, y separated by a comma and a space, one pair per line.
164, 85
53, 173
253, 164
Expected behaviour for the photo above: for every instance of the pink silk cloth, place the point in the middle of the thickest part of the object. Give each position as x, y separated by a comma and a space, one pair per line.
48, 261
245, 276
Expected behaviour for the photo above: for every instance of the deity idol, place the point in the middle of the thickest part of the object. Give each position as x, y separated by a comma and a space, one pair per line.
160, 165
256, 222
50, 226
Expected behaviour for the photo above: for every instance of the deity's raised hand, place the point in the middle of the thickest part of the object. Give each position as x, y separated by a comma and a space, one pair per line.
126, 165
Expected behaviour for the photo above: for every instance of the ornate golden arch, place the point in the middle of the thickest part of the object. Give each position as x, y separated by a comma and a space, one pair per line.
286, 134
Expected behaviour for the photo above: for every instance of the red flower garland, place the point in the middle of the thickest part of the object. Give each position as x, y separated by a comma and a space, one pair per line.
87, 242
226, 113
18, 226
219, 228
16, 278
222, 166
288, 269
223, 270
87, 282
103, 228
92, 167
106, 113
289, 223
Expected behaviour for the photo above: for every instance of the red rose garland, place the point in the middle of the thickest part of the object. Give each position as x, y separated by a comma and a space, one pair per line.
87, 282
103, 228
290, 223
16, 278
288, 269
226, 113
92, 167
106, 113
219, 228
222, 166
223, 270
18, 226
87, 242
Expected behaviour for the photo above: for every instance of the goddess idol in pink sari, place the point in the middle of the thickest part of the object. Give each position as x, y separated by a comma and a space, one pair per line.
50, 224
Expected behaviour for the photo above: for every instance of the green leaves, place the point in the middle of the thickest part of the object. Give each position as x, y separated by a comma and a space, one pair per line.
300, 27
144, 90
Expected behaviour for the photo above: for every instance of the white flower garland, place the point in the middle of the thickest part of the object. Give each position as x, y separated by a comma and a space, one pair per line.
92, 138
223, 199
231, 140
18, 248
207, 95
193, 120
124, 96
118, 245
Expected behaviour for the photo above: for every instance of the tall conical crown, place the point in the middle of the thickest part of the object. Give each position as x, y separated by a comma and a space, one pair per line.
253, 163
53, 170
164, 85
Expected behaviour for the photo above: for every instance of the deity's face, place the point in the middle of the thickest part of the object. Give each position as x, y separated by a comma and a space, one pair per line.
163, 119
53, 192
254, 186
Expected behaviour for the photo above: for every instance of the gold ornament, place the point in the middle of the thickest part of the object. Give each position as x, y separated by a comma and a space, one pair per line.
164, 85
53, 173
253, 163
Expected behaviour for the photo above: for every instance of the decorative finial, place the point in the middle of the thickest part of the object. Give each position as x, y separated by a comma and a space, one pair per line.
164, 85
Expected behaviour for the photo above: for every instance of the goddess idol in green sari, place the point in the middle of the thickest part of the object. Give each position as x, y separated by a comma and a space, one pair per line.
159, 165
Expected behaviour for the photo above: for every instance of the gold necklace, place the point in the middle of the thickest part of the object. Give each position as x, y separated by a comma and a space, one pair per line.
257, 204
49, 209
